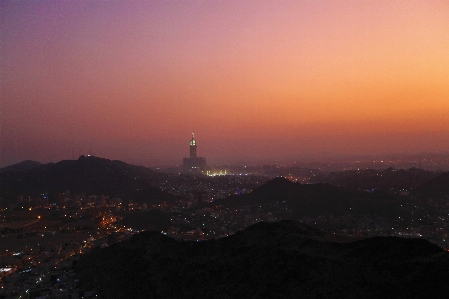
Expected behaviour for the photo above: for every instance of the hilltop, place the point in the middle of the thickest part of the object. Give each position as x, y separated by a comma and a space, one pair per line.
21, 166
284, 259
90, 175
311, 200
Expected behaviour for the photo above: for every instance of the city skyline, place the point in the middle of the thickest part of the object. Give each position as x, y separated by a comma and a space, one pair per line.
260, 80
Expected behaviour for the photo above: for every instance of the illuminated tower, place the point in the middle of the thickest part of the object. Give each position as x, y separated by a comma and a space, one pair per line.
193, 147
194, 164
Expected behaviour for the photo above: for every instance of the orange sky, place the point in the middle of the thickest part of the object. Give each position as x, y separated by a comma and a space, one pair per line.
252, 79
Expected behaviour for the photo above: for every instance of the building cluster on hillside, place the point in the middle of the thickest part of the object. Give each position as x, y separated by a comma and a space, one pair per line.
55, 229
194, 210
44, 271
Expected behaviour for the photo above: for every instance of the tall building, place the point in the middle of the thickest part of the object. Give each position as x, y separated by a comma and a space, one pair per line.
193, 163
193, 147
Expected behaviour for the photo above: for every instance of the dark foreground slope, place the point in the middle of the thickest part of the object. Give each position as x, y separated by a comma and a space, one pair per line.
268, 260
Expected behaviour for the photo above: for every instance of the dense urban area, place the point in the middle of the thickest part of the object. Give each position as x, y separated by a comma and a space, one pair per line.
43, 235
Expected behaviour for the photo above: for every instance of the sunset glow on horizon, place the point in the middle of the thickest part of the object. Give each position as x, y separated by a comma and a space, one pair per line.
252, 79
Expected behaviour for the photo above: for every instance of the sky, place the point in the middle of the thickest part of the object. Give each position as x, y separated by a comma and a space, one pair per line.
261, 80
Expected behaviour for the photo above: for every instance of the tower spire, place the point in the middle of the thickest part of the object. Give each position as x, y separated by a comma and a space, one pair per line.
194, 164
193, 147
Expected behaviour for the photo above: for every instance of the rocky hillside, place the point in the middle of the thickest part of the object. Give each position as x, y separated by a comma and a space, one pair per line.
267, 260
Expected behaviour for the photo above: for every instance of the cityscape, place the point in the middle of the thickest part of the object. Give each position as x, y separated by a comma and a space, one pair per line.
224, 149
44, 234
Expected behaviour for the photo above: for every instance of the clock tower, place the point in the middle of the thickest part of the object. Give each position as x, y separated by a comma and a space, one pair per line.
194, 164
193, 147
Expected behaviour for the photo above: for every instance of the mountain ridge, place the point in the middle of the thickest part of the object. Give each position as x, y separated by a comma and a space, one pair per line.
21, 166
91, 175
317, 199
283, 264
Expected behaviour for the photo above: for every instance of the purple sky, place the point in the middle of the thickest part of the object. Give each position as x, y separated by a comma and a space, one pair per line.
132, 80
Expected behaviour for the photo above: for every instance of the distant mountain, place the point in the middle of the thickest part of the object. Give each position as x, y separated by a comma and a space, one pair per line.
435, 187
389, 179
21, 167
267, 260
310, 200
91, 175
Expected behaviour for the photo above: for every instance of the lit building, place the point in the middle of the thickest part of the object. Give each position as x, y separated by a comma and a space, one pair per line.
193, 163
193, 147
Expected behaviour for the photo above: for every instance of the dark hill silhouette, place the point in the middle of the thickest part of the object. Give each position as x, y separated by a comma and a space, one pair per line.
267, 260
21, 166
91, 175
312, 200
435, 187
144, 220
278, 183
389, 179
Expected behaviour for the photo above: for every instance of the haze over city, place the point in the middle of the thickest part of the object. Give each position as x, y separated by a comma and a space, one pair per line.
253, 79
